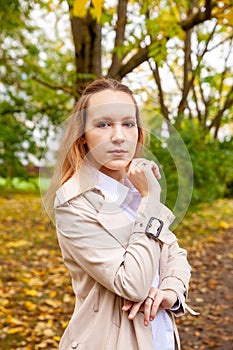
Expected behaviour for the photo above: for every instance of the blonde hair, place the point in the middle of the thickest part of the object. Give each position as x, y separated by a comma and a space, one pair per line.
73, 149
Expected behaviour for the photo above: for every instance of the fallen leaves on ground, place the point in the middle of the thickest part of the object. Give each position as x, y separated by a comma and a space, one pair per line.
208, 236
36, 299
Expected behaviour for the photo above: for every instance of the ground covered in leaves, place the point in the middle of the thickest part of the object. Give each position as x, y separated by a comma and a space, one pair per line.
36, 299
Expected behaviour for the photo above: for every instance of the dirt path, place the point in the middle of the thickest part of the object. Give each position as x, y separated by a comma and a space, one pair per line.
211, 294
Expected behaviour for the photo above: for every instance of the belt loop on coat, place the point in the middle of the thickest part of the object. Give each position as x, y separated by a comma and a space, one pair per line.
96, 300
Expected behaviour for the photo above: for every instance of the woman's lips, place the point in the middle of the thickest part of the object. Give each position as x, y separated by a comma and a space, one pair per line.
118, 152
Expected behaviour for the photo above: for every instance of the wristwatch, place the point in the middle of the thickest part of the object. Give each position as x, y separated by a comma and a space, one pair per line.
154, 227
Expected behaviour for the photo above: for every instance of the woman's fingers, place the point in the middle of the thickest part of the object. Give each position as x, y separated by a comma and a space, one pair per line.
152, 304
134, 310
155, 170
144, 174
127, 305
133, 307
157, 298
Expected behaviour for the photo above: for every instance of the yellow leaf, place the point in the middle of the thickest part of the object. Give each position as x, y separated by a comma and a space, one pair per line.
57, 338
65, 324
53, 303
15, 330
49, 5
98, 4
31, 292
224, 225
52, 293
13, 321
17, 244
80, 8
29, 305
42, 227
225, 16
4, 302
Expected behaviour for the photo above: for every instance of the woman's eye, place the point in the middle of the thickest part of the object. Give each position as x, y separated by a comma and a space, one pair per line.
103, 125
129, 124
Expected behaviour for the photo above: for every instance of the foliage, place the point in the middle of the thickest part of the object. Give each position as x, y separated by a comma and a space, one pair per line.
211, 161
36, 300
31, 110
212, 166
177, 40
162, 49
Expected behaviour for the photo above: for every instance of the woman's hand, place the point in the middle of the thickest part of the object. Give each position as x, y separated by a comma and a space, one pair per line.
156, 299
144, 175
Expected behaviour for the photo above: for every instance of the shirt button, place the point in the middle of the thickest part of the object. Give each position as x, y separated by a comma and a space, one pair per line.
74, 345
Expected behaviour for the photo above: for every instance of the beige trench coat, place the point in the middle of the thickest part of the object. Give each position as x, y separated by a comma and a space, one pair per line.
112, 260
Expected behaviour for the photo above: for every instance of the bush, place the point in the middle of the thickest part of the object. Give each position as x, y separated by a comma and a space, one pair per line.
211, 161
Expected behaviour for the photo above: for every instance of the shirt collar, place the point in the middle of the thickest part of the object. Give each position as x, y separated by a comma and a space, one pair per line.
87, 178
113, 190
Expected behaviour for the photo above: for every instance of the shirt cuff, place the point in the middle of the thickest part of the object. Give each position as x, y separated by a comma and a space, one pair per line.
176, 306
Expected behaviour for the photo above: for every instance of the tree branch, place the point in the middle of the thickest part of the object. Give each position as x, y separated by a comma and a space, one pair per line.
156, 75
217, 119
196, 103
220, 42
138, 58
189, 73
187, 78
120, 36
66, 89
225, 67
199, 16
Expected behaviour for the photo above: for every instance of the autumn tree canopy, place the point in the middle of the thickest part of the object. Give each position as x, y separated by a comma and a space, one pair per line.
178, 54
190, 40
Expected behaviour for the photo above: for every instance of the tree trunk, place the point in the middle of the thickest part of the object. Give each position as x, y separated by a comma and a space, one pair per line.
187, 78
87, 43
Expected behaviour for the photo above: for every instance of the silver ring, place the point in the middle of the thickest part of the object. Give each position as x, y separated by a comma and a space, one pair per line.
151, 298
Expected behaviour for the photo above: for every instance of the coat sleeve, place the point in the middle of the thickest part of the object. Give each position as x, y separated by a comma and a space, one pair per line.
175, 274
126, 270
175, 270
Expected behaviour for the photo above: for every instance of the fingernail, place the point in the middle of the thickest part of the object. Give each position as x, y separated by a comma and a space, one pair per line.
146, 323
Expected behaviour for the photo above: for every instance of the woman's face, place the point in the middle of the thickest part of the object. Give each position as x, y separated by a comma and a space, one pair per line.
111, 132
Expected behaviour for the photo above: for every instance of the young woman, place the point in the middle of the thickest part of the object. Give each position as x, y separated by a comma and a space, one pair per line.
129, 275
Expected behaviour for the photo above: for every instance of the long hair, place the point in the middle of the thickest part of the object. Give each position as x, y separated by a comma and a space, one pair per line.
72, 149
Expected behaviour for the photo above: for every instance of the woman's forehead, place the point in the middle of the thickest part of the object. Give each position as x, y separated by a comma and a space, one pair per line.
112, 110
109, 96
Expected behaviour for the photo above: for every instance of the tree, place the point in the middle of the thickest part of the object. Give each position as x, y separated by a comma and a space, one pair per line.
171, 35
170, 41
29, 110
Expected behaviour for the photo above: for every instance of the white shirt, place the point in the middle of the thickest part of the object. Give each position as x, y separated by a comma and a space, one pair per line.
128, 198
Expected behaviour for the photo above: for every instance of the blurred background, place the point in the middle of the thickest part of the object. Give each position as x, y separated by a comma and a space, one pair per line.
177, 57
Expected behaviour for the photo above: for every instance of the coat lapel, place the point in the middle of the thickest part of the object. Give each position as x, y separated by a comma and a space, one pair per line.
111, 217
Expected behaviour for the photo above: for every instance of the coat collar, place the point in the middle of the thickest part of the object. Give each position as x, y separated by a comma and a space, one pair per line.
109, 214
83, 180
89, 178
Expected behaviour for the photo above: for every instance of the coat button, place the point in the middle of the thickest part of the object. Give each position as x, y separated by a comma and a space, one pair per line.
74, 345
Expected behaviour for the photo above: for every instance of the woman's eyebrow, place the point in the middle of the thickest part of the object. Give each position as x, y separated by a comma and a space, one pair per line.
108, 118
130, 117
102, 118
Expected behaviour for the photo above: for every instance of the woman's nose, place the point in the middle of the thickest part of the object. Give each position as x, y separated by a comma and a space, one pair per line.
117, 134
